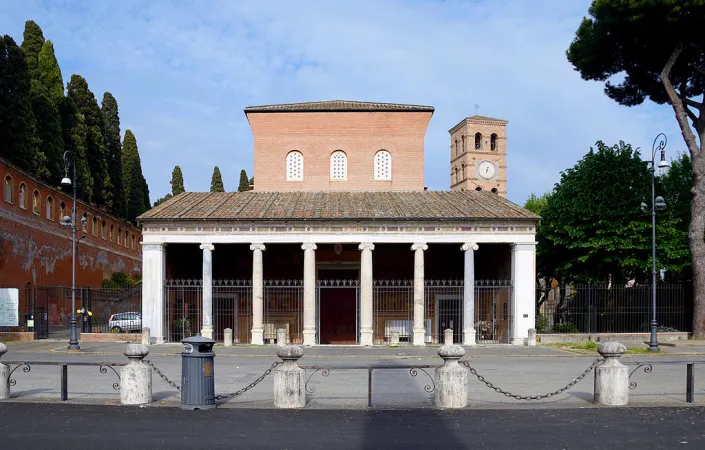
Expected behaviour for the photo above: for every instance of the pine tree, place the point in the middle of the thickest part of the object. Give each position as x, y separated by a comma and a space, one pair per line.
133, 181
244, 182
177, 182
32, 45
18, 141
49, 132
162, 200
50, 73
217, 181
74, 134
113, 151
95, 145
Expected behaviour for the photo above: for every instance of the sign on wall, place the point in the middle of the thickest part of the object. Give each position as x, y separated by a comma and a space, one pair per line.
9, 307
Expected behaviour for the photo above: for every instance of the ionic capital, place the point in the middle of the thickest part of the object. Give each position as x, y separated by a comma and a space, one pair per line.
419, 246
257, 246
366, 246
309, 246
210, 247
469, 246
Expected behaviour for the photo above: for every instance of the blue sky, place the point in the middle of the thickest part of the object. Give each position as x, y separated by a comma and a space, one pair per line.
183, 72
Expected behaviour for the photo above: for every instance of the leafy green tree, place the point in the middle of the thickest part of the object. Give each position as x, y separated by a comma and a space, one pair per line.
95, 144
50, 73
32, 45
113, 151
162, 200
244, 182
74, 136
49, 132
655, 49
217, 181
18, 140
675, 187
133, 181
177, 181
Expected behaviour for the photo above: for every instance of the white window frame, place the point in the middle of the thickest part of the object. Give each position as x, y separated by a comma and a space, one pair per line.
344, 169
292, 175
377, 173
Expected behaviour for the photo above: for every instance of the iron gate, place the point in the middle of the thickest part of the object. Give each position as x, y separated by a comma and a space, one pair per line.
493, 311
341, 300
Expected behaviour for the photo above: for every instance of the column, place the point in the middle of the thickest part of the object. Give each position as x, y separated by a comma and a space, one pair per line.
366, 293
524, 287
309, 293
469, 293
419, 325
257, 294
207, 330
153, 276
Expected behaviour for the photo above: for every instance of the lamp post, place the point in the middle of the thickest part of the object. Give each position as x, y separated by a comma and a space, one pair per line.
657, 204
65, 221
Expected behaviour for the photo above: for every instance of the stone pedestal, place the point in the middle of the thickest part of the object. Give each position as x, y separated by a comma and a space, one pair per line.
394, 338
146, 336
281, 337
136, 377
4, 375
451, 377
228, 337
611, 377
531, 342
289, 379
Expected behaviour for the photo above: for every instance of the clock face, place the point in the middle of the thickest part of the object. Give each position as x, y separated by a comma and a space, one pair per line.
486, 170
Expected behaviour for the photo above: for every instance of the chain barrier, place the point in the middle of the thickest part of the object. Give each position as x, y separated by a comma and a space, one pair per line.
531, 397
168, 381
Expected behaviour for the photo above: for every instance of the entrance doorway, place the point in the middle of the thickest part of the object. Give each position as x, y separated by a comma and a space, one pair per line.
337, 306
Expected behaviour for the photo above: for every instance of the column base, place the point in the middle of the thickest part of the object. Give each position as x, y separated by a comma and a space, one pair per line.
420, 337
309, 337
207, 332
366, 337
469, 337
257, 336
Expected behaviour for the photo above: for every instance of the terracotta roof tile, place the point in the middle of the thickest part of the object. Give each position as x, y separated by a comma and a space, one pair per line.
387, 205
337, 105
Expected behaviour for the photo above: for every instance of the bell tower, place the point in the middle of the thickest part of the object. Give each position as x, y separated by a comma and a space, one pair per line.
478, 155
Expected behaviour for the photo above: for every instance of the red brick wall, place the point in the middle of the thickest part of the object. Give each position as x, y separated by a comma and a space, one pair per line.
359, 134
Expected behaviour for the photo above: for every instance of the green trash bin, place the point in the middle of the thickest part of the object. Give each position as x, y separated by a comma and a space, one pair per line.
197, 373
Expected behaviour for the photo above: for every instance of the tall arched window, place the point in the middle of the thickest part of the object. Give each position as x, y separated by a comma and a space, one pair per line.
126, 237
462, 138
7, 191
294, 166
119, 236
23, 196
457, 148
111, 236
338, 165
383, 165
36, 206
62, 210
478, 141
133, 242
84, 223
493, 142
94, 226
102, 229
50, 208
457, 176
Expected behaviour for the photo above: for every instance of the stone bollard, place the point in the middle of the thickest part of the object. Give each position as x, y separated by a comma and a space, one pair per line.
289, 379
448, 336
451, 377
611, 377
136, 377
281, 337
4, 375
228, 337
531, 342
146, 339
394, 338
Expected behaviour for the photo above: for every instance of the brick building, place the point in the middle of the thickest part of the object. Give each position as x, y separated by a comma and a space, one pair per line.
340, 242
35, 249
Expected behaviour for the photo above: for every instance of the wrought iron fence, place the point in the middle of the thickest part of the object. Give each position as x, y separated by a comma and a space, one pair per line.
232, 308
493, 300
184, 300
444, 309
392, 310
610, 309
284, 308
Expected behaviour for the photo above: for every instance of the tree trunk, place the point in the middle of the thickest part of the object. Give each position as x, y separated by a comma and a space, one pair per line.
696, 237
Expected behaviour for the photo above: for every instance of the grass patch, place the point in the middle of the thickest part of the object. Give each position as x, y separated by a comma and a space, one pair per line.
591, 347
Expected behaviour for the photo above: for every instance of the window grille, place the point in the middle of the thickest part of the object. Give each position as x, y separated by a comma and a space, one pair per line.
338, 166
383, 165
294, 166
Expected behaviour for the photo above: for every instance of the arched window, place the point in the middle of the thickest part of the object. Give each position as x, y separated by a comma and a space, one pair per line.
102, 229
50, 208
479, 188
111, 236
84, 223
383, 165
127, 235
338, 165
493, 142
457, 177
133, 242
294, 166
119, 236
36, 206
462, 138
457, 149
23, 196
62, 210
462, 170
7, 192
478, 141
94, 226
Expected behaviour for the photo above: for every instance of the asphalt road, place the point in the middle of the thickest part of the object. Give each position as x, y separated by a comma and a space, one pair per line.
59, 426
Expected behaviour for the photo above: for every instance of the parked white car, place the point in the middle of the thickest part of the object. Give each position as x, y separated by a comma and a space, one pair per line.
128, 321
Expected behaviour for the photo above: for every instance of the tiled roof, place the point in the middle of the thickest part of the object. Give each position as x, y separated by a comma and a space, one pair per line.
491, 119
383, 205
336, 105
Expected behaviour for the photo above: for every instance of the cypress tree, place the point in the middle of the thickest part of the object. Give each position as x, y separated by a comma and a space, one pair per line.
18, 140
51, 142
145, 191
95, 144
74, 134
162, 200
32, 45
177, 181
244, 182
50, 73
217, 181
113, 151
133, 181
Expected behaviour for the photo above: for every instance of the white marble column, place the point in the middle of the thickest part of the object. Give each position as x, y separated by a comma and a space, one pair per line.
257, 294
419, 325
153, 276
469, 293
524, 287
309, 293
366, 293
207, 330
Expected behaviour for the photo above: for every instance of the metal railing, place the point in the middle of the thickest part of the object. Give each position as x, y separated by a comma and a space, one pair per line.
689, 374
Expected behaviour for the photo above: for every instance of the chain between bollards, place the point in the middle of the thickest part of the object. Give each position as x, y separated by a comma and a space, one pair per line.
163, 377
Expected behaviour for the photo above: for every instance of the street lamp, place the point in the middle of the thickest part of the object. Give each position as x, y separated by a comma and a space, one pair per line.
66, 221
657, 204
